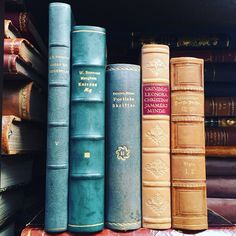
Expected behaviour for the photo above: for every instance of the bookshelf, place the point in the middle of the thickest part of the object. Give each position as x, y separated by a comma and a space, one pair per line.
123, 17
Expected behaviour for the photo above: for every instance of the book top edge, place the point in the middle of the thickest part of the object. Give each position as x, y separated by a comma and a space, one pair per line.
176, 60
155, 47
121, 66
88, 28
58, 4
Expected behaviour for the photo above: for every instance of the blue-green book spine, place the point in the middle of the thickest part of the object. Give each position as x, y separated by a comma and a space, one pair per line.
86, 175
56, 202
123, 155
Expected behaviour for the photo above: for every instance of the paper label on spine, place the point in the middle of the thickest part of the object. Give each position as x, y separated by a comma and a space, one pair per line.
156, 99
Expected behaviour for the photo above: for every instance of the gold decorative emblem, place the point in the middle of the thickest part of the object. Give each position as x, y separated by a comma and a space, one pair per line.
155, 65
158, 204
157, 168
87, 155
157, 135
122, 153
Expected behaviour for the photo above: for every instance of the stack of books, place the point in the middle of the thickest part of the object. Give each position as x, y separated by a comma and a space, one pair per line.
23, 114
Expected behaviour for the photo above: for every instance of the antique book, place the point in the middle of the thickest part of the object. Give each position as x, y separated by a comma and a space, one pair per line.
221, 186
225, 136
23, 22
219, 72
225, 207
56, 202
183, 41
123, 157
27, 52
10, 31
213, 56
15, 170
16, 68
10, 203
229, 231
221, 151
216, 166
156, 202
87, 131
220, 106
20, 136
24, 100
189, 209
220, 122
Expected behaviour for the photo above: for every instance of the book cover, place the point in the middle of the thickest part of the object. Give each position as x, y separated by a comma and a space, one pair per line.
87, 131
189, 208
123, 144
24, 100
156, 202
10, 31
56, 209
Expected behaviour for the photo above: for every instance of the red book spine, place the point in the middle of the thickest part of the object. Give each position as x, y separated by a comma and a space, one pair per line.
12, 46
9, 63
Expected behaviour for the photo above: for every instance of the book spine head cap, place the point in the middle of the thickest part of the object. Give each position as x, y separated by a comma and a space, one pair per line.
124, 67
157, 48
88, 28
177, 60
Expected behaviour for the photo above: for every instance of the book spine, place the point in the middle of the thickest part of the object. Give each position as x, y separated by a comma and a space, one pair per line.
12, 46
86, 183
220, 106
225, 136
58, 118
224, 207
123, 192
221, 187
9, 63
219, 72
222, 56
189, 210
220, 151
218, 122
220, 166
156, 203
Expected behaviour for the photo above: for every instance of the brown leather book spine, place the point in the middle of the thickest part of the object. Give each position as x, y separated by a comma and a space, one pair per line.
220, 151
156, 203
221, 136
220, 106
16, 100
189, 208
9, 63
12, 46
224, 207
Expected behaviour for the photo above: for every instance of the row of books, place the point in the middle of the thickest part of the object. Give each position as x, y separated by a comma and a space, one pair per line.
122, 140
23, 106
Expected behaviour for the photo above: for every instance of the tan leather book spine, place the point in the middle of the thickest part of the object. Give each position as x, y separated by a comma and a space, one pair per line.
16, 100
189, 207
156, 203
220, 151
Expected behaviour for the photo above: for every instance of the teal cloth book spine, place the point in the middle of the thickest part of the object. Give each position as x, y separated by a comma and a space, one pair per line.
56, 202
123, 155
86, 175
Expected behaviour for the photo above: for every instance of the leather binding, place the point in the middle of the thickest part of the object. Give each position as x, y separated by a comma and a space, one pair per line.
123, 180
23, 100
56, 210
23, 22
10, 31
220, 151
209, 56
220, 166
156, 203
16, 68
221, 186
225, 136
189, 208
220, 122
226, 231
27, 52
220, 106
220, 72
87, 131
226, 207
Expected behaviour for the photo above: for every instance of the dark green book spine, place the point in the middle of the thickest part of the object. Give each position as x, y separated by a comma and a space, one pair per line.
56, 210
86, 181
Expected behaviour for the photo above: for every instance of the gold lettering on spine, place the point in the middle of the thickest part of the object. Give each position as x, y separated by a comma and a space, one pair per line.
23, 103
